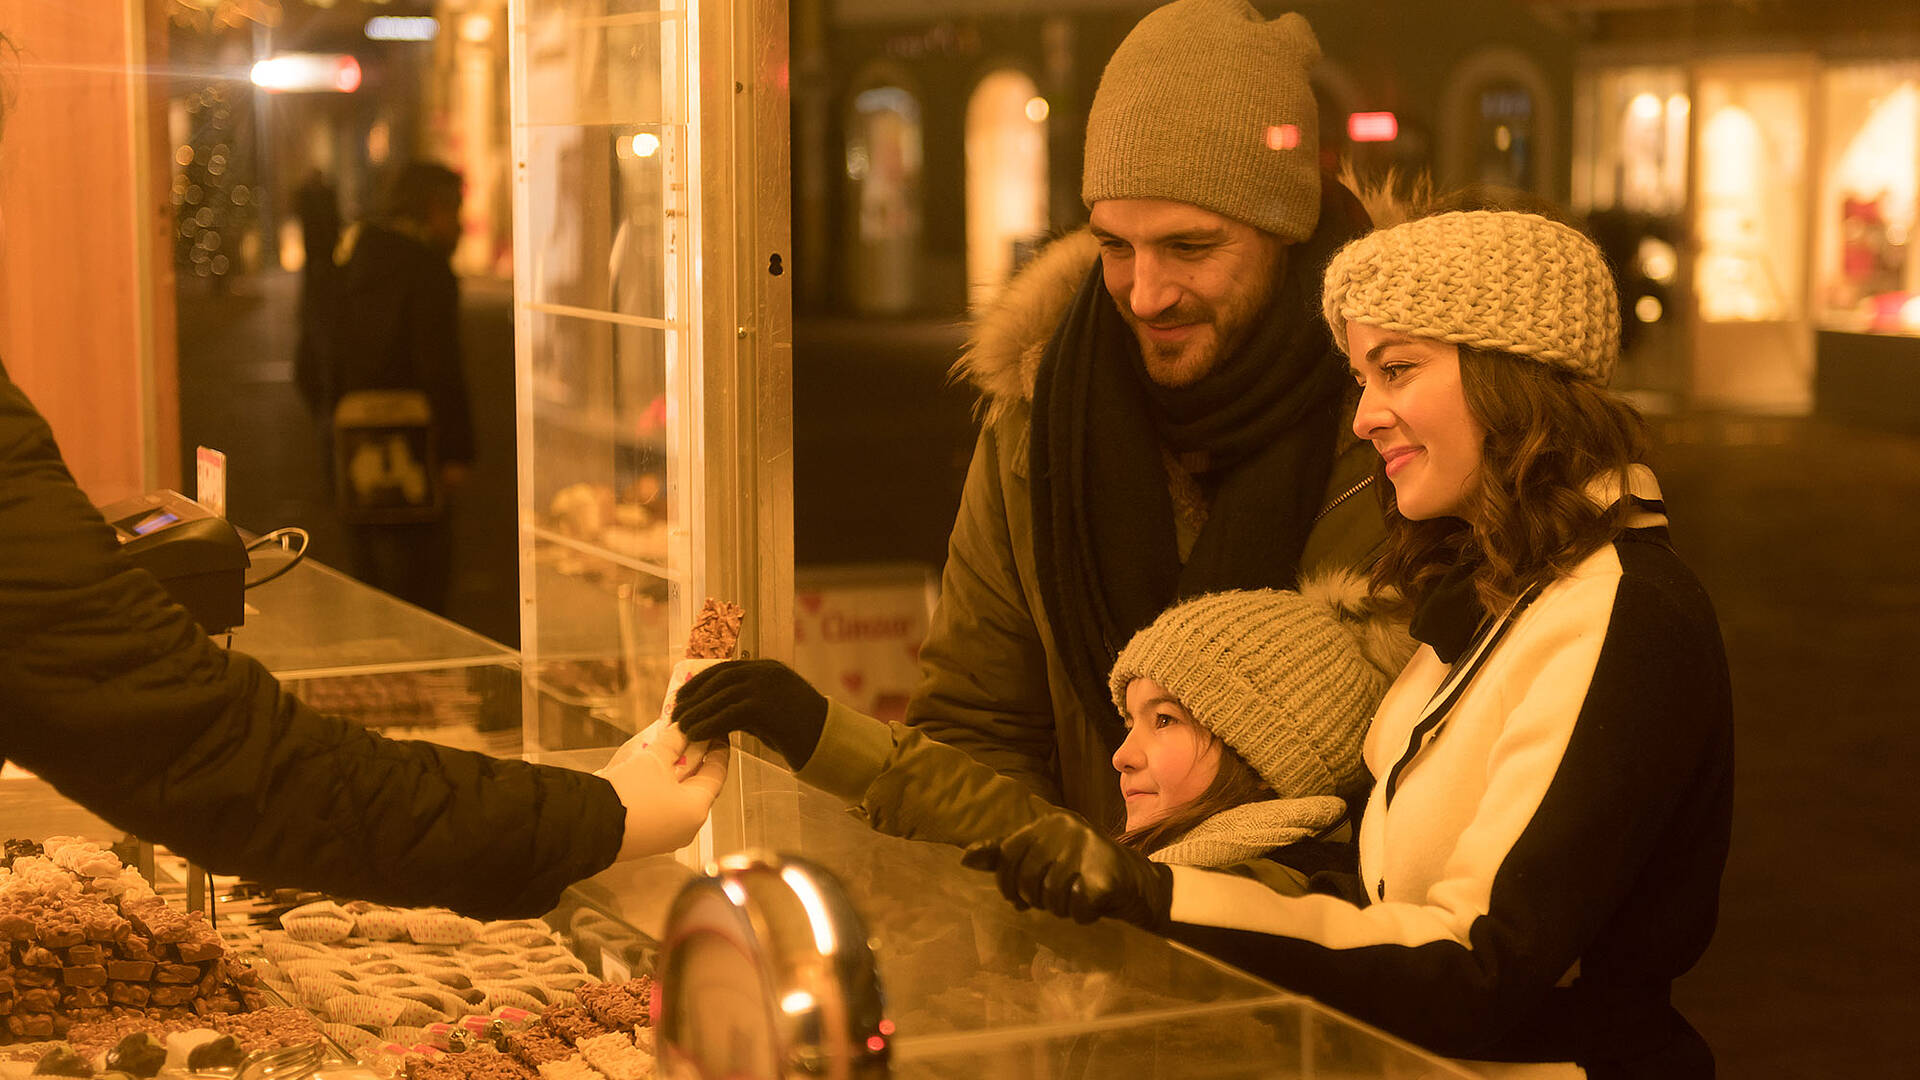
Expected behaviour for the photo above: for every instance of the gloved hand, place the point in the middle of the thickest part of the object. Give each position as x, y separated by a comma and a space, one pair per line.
1064, 865
663, 811
763, 698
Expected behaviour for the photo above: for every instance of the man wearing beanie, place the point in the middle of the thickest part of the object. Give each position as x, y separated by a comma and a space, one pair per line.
1163, 412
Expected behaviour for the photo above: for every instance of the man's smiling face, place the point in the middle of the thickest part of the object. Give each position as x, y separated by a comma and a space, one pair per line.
1190, 282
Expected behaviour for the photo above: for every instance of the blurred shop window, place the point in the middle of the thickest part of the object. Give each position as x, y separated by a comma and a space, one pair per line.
1006, 179
1630, 178
1503, 146
1866, 279
1750, 215
1499, 123
883, 166
1634, 153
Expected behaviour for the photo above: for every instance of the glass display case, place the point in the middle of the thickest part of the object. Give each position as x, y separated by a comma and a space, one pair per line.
974, 988
348, 649
971, 987
652, 345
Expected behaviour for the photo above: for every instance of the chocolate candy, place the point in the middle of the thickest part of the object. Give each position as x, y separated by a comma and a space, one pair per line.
62, 1061
139, 1054
84, 975
221, 1053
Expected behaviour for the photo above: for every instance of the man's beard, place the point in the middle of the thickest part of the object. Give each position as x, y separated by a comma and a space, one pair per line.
1224, 329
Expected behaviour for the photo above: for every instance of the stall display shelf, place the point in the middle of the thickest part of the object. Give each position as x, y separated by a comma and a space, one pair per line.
316, 622
972, 987
975, 988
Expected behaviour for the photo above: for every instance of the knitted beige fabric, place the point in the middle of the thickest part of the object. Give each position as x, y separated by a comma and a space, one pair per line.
1206, 102
1280, 677
1250, 831
1515, 282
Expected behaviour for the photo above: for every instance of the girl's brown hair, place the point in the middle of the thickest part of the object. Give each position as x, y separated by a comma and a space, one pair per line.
1234, 785
1529, 519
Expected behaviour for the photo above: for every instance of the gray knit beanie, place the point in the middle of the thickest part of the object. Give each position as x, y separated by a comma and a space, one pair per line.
1290, 680
1505, 280
1206, 102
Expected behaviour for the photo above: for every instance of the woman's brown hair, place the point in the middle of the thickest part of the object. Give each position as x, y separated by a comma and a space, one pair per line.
1548, 436
1235, 784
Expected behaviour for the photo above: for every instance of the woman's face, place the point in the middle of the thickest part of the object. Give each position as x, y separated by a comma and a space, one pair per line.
1414, 411
1166, 760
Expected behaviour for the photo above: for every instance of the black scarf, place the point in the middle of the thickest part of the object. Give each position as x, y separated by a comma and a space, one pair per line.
1266, 416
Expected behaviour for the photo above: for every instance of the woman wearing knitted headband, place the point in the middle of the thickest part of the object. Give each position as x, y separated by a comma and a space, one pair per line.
1541, 852
1243, 711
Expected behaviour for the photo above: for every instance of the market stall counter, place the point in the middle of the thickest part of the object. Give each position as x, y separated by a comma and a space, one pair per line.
974, 988
966, 986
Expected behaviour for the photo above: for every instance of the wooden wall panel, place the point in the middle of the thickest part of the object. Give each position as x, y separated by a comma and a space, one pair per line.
86, 290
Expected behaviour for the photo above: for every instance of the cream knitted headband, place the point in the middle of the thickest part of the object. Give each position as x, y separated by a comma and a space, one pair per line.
1515, 282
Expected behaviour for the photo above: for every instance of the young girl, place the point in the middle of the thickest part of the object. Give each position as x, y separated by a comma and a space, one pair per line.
1542, 849
1242, 712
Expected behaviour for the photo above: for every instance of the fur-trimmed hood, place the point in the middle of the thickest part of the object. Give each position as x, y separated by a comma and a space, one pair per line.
1003, 350
1002, 356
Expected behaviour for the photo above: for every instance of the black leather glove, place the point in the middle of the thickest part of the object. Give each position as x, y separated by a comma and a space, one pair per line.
764, 698
1064, 865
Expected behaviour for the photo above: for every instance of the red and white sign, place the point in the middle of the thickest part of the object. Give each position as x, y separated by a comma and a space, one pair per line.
857, 633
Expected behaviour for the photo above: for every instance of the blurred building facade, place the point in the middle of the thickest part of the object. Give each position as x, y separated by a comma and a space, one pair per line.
1750, 166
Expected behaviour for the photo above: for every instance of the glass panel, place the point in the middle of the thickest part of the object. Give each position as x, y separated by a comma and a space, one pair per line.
600, 399
602, 303
977, 989
472, 708
315, 621
1867, 280
1268, 1041
953, 954
605, 62
601, 639
609, 218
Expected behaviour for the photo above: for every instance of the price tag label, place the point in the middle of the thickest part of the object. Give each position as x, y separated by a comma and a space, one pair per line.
210, 475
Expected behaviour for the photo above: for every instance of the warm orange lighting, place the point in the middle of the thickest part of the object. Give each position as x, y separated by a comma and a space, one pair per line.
290, 73
1037, 109
1373, 127
1283, 136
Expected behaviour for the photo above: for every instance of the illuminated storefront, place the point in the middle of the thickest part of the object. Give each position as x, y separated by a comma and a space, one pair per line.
1760, 208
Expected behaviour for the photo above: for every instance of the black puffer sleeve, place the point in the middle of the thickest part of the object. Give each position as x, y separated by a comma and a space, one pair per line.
110, 692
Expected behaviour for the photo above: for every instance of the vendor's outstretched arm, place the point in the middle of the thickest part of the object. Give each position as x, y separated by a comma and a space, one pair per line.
115, 696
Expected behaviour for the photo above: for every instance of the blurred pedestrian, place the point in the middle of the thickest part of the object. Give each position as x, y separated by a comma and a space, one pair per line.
403, 430
317, 205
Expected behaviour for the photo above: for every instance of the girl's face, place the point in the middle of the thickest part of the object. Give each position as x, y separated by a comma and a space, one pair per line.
1414, 411
1167, 760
